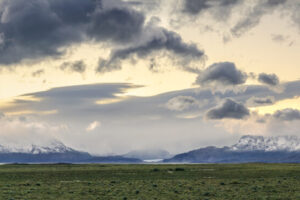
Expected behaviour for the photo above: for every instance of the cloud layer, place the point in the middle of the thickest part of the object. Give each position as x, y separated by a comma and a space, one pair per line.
287, 114
156, 121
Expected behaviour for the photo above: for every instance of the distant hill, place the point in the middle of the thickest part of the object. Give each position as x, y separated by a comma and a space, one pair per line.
248, 149
55, 152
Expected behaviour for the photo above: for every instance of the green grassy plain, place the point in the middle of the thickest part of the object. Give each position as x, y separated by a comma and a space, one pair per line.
223, 181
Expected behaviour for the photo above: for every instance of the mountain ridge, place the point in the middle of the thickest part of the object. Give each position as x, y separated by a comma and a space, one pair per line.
281, 149
55, 152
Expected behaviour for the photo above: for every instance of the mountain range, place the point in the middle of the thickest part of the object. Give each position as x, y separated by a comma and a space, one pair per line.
55, 152
284, 149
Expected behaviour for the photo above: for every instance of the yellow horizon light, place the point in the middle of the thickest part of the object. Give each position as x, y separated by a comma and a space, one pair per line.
280, 105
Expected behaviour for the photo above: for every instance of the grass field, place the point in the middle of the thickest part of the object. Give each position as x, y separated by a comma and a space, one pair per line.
247, 181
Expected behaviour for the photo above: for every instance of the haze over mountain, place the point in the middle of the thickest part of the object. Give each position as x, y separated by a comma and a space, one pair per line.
148, 154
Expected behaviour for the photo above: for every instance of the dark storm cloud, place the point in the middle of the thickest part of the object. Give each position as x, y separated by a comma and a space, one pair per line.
117, 24
35, 29
229, 109
195, 7
158, 40
268, 79
224, 73
38, 28
77, 66
287, 114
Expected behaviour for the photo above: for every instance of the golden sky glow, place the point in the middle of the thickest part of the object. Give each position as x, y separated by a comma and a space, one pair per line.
246, 52
280, 105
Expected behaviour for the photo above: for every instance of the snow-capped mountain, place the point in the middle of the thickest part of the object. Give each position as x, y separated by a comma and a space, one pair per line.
53, 152
54, 146
284, 149
260, 143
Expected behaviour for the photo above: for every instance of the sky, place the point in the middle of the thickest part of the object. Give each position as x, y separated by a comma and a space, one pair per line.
113, 76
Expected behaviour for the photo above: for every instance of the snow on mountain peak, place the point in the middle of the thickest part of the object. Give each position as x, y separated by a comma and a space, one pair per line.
260, 143
54, 146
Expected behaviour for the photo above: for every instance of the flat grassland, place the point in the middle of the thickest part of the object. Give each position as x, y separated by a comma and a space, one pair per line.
98, 181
